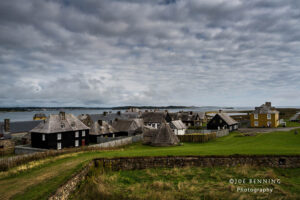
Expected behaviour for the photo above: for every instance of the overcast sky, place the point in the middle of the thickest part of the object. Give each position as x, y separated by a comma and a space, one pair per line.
112, 53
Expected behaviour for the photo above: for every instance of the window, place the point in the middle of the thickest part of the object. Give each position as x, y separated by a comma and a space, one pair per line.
269, 123
83, 134
269, 116
76, 134
255, 116
256, 123
59, 145
43, 137
58, 136
221, 121
76, 143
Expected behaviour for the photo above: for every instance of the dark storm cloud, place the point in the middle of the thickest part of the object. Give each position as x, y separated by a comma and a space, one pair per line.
102, 53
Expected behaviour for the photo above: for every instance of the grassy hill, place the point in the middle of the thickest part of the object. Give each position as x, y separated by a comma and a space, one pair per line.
38, 179
189, 183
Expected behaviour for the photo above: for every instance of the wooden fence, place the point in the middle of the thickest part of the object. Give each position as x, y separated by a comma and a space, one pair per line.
199, 138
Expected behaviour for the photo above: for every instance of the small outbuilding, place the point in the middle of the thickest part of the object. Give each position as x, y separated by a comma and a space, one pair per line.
178, 127
164, 136
222, 121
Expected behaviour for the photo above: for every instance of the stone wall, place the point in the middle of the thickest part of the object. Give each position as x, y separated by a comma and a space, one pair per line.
27, 149
222, 133
132, 163
119, 142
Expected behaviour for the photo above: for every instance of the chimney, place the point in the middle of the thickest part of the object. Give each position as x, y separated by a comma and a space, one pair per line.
104, 113
100, 122
191, 112
269, 104
6, 125
62, 115
220, 111
119, 112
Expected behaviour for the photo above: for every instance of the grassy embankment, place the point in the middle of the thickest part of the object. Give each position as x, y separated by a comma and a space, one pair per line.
38, 179
188, 183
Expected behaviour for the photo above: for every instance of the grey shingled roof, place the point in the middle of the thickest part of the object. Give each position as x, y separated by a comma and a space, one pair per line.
227, 118
21, 126
127, 125
154, 117
112, 116
265, 109
164, 136
177, 124
55, 124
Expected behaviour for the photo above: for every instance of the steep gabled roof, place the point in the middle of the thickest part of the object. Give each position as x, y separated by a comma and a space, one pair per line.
227, 118
265, 109
164, 136
154, 117
177, 124
128, 125
98, 129
57, 123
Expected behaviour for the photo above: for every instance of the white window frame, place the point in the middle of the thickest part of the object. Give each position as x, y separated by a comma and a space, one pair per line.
76, 134
255, 116
76, 143
269, 116
256, 123
83, 133
58, 136
59, 145
43, 137
269, 123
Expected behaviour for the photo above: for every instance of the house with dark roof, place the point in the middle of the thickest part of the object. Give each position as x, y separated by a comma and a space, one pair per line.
155, 119
189, 118
128, 127
60, 131
163, 136
98, 129
222, 120
110, 117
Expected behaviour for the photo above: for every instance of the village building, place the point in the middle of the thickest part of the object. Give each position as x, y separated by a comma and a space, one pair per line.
265, 116
98, 129
60, 131
128, 127
109, 117
163, 136
189, 118
39, 116
178, 127
155, 119
222, 120
7, 145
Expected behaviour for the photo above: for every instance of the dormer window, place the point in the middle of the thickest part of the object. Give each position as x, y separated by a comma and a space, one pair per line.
62, 125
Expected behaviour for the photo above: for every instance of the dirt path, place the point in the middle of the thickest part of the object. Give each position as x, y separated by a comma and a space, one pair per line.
13, 185
265, 130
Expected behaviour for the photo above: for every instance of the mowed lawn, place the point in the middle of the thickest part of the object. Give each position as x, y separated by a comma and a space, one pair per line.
38, 179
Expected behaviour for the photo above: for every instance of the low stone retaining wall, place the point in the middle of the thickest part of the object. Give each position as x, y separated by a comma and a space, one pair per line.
25, 149
120, 142
133, 163
222, 133
136, 163
66, 189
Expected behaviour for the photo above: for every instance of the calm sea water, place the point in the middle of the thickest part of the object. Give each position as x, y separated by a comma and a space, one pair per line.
28, 115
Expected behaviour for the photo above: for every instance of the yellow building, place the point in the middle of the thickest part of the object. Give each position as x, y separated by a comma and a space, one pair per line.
265, 116
39, 116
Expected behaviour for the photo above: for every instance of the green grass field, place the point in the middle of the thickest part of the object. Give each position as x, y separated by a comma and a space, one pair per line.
189, 183
38, 179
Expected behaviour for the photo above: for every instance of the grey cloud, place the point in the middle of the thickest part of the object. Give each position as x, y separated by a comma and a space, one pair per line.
98, 53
